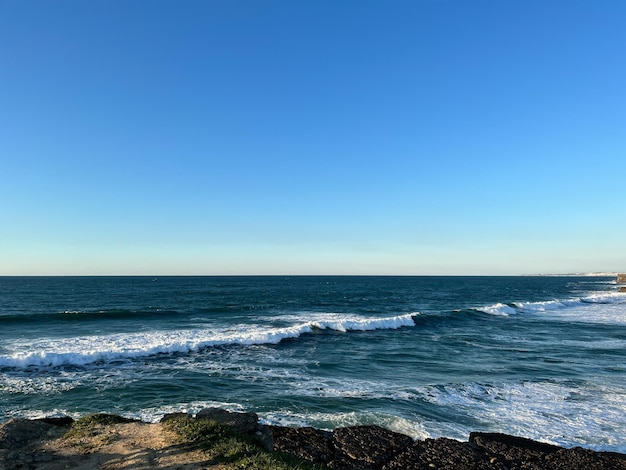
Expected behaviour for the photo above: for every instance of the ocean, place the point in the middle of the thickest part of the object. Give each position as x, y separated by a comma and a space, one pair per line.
542, 357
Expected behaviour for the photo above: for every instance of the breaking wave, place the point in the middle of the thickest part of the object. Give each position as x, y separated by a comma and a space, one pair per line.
93, 349
504, 309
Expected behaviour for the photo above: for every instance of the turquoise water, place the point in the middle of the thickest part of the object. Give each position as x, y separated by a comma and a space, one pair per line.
541, 357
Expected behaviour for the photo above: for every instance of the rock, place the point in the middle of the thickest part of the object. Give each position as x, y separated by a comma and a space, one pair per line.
369, 446
442, 454
42, 457
579, 458
305, 443
518, 453
168, 416
18, 438
25, 444
62, 421
18, 431
265, 437
242, 423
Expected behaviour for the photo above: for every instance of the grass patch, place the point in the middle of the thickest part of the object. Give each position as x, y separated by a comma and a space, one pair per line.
231, 450
88, 425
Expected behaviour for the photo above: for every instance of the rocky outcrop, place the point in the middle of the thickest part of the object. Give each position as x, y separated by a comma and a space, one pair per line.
349, 448
442, 453
521, 453
373, 448
240, 423
17, 442
313, 445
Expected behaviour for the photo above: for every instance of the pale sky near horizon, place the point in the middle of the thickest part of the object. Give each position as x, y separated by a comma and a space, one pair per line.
312, 137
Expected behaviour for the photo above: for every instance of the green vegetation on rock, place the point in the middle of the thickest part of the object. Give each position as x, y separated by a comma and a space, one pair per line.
231, 450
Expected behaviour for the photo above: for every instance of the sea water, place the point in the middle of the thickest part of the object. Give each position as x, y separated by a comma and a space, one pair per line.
537, 356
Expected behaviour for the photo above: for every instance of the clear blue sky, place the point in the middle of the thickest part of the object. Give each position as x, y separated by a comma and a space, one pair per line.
312, 137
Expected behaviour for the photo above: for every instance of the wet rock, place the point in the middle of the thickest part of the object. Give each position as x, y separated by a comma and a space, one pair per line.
242, 423
367, 446
305, 443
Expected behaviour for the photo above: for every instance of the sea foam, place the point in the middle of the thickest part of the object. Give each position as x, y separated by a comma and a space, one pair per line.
93, 349
503, 309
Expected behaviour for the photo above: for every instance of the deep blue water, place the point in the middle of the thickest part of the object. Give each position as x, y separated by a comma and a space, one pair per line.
542, 357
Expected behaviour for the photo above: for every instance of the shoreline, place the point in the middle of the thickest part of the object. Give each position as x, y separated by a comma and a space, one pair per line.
183, 441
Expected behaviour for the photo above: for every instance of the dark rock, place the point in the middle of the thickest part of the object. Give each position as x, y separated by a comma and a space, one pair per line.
17, 437
495, 441
442, 454
347, 464
18, 431
368, 446
518, 453
306, 443
42, 457
242, 423
62, 421
579, 458
265, 437
515, 452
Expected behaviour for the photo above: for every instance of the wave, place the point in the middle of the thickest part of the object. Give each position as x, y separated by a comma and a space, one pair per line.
123, 346
505, 309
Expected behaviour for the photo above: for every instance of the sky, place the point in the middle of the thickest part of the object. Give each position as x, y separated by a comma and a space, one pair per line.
421, 137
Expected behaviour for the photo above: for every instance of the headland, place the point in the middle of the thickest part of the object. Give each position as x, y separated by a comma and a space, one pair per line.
221, 440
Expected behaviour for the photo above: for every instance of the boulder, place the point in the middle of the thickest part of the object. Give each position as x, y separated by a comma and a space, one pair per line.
313, 445
19, 431
18, 438
63, 421
264, 435
367, 446
241, 423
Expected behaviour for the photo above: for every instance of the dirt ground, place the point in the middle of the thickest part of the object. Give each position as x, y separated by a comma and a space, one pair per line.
112, 447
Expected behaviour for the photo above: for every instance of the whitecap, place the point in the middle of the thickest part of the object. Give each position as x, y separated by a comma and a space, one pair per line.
93, 349
497, 309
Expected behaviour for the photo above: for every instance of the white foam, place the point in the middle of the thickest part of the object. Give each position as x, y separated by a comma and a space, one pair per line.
606, 298
497, 309
353, 388
34, 386
544, 306
354, 323
38, 414
93, 349
154, 414
601, 313
330, 421
570, 307
560, 414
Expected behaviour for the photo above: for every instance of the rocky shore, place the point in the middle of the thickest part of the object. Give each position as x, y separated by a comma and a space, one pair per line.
221, 440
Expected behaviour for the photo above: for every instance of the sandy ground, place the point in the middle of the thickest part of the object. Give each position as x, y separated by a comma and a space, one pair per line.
121, 446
